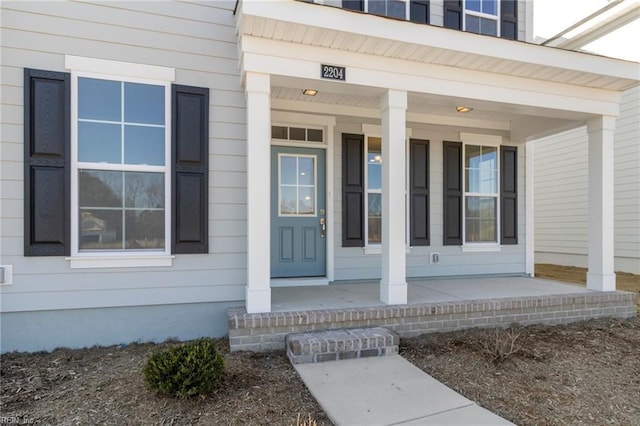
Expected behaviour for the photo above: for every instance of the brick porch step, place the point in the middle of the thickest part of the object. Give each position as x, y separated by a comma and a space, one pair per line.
333, 345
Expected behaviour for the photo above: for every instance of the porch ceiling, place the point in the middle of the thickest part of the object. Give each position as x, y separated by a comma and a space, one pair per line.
364, 102
360, 99
324, 26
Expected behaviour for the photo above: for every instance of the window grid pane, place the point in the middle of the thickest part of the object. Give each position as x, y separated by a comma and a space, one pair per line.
117, 204
129, 115
374, 218
480, 219
391, 8
297, 189
481, 17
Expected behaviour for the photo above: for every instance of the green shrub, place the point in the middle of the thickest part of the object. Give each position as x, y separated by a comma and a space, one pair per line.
193, 369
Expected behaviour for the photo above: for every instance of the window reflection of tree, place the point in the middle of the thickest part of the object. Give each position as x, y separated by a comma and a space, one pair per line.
144, 190
101, 210
100, 189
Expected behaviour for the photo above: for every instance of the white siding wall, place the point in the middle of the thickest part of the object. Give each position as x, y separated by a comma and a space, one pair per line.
199, 41
561, 192
351, 263
436, 9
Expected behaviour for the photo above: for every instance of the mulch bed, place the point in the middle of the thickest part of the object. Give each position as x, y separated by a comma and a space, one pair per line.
584, 373
105, 386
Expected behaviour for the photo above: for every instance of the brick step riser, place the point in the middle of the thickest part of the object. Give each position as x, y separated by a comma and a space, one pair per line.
335, 345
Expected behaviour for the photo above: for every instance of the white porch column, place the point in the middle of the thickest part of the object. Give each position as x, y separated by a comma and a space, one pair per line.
529, 209
600, 275
258, 92
393, 285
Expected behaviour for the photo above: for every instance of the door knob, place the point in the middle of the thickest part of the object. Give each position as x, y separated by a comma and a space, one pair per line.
323, 227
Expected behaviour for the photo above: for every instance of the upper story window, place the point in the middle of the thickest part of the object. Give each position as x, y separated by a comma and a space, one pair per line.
413, 10
481, 16
490, 17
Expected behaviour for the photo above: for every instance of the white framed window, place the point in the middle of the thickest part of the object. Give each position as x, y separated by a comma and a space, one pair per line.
481, 16
373, 168
373, 194
120, 164
481, 194
392, 8
414, 10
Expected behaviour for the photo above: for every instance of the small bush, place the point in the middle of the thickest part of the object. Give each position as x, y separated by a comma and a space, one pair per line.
501, 344
193, 369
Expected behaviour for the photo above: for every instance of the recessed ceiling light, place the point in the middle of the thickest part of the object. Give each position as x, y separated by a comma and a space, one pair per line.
463, 109
310, 92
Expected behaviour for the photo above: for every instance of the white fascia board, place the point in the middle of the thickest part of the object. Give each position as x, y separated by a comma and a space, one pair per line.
309, 63
336, 19
447, 81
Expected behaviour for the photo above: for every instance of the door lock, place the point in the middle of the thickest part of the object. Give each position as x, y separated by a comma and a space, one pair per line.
323, 227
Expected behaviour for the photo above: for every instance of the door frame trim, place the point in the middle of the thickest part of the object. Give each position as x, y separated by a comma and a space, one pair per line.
328, 124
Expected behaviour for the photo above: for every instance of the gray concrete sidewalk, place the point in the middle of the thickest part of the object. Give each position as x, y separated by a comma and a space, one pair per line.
388, 390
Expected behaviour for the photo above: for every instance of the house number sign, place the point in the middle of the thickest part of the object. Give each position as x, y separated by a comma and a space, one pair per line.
333, 72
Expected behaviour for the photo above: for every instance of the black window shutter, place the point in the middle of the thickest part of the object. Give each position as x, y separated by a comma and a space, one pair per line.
453, 14
352, 190
509, 19
190, 152
47, 141
419, 11
419, 192
452, 193
353, 5
509, 194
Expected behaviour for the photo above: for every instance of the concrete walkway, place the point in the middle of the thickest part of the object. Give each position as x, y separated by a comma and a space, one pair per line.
388, 390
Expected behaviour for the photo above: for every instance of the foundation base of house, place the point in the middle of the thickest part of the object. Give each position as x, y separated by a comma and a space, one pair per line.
267, 331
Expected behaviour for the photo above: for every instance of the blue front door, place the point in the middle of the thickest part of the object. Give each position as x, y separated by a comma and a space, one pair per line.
298, 212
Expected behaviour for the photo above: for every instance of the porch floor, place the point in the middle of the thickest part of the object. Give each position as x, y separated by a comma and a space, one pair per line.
442, 304
426, 290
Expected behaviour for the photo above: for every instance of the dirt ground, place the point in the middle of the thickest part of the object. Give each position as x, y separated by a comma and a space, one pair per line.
105, 386
570, 274
586, 373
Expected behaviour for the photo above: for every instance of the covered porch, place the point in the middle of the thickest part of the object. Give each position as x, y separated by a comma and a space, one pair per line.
435, 305
400, 81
